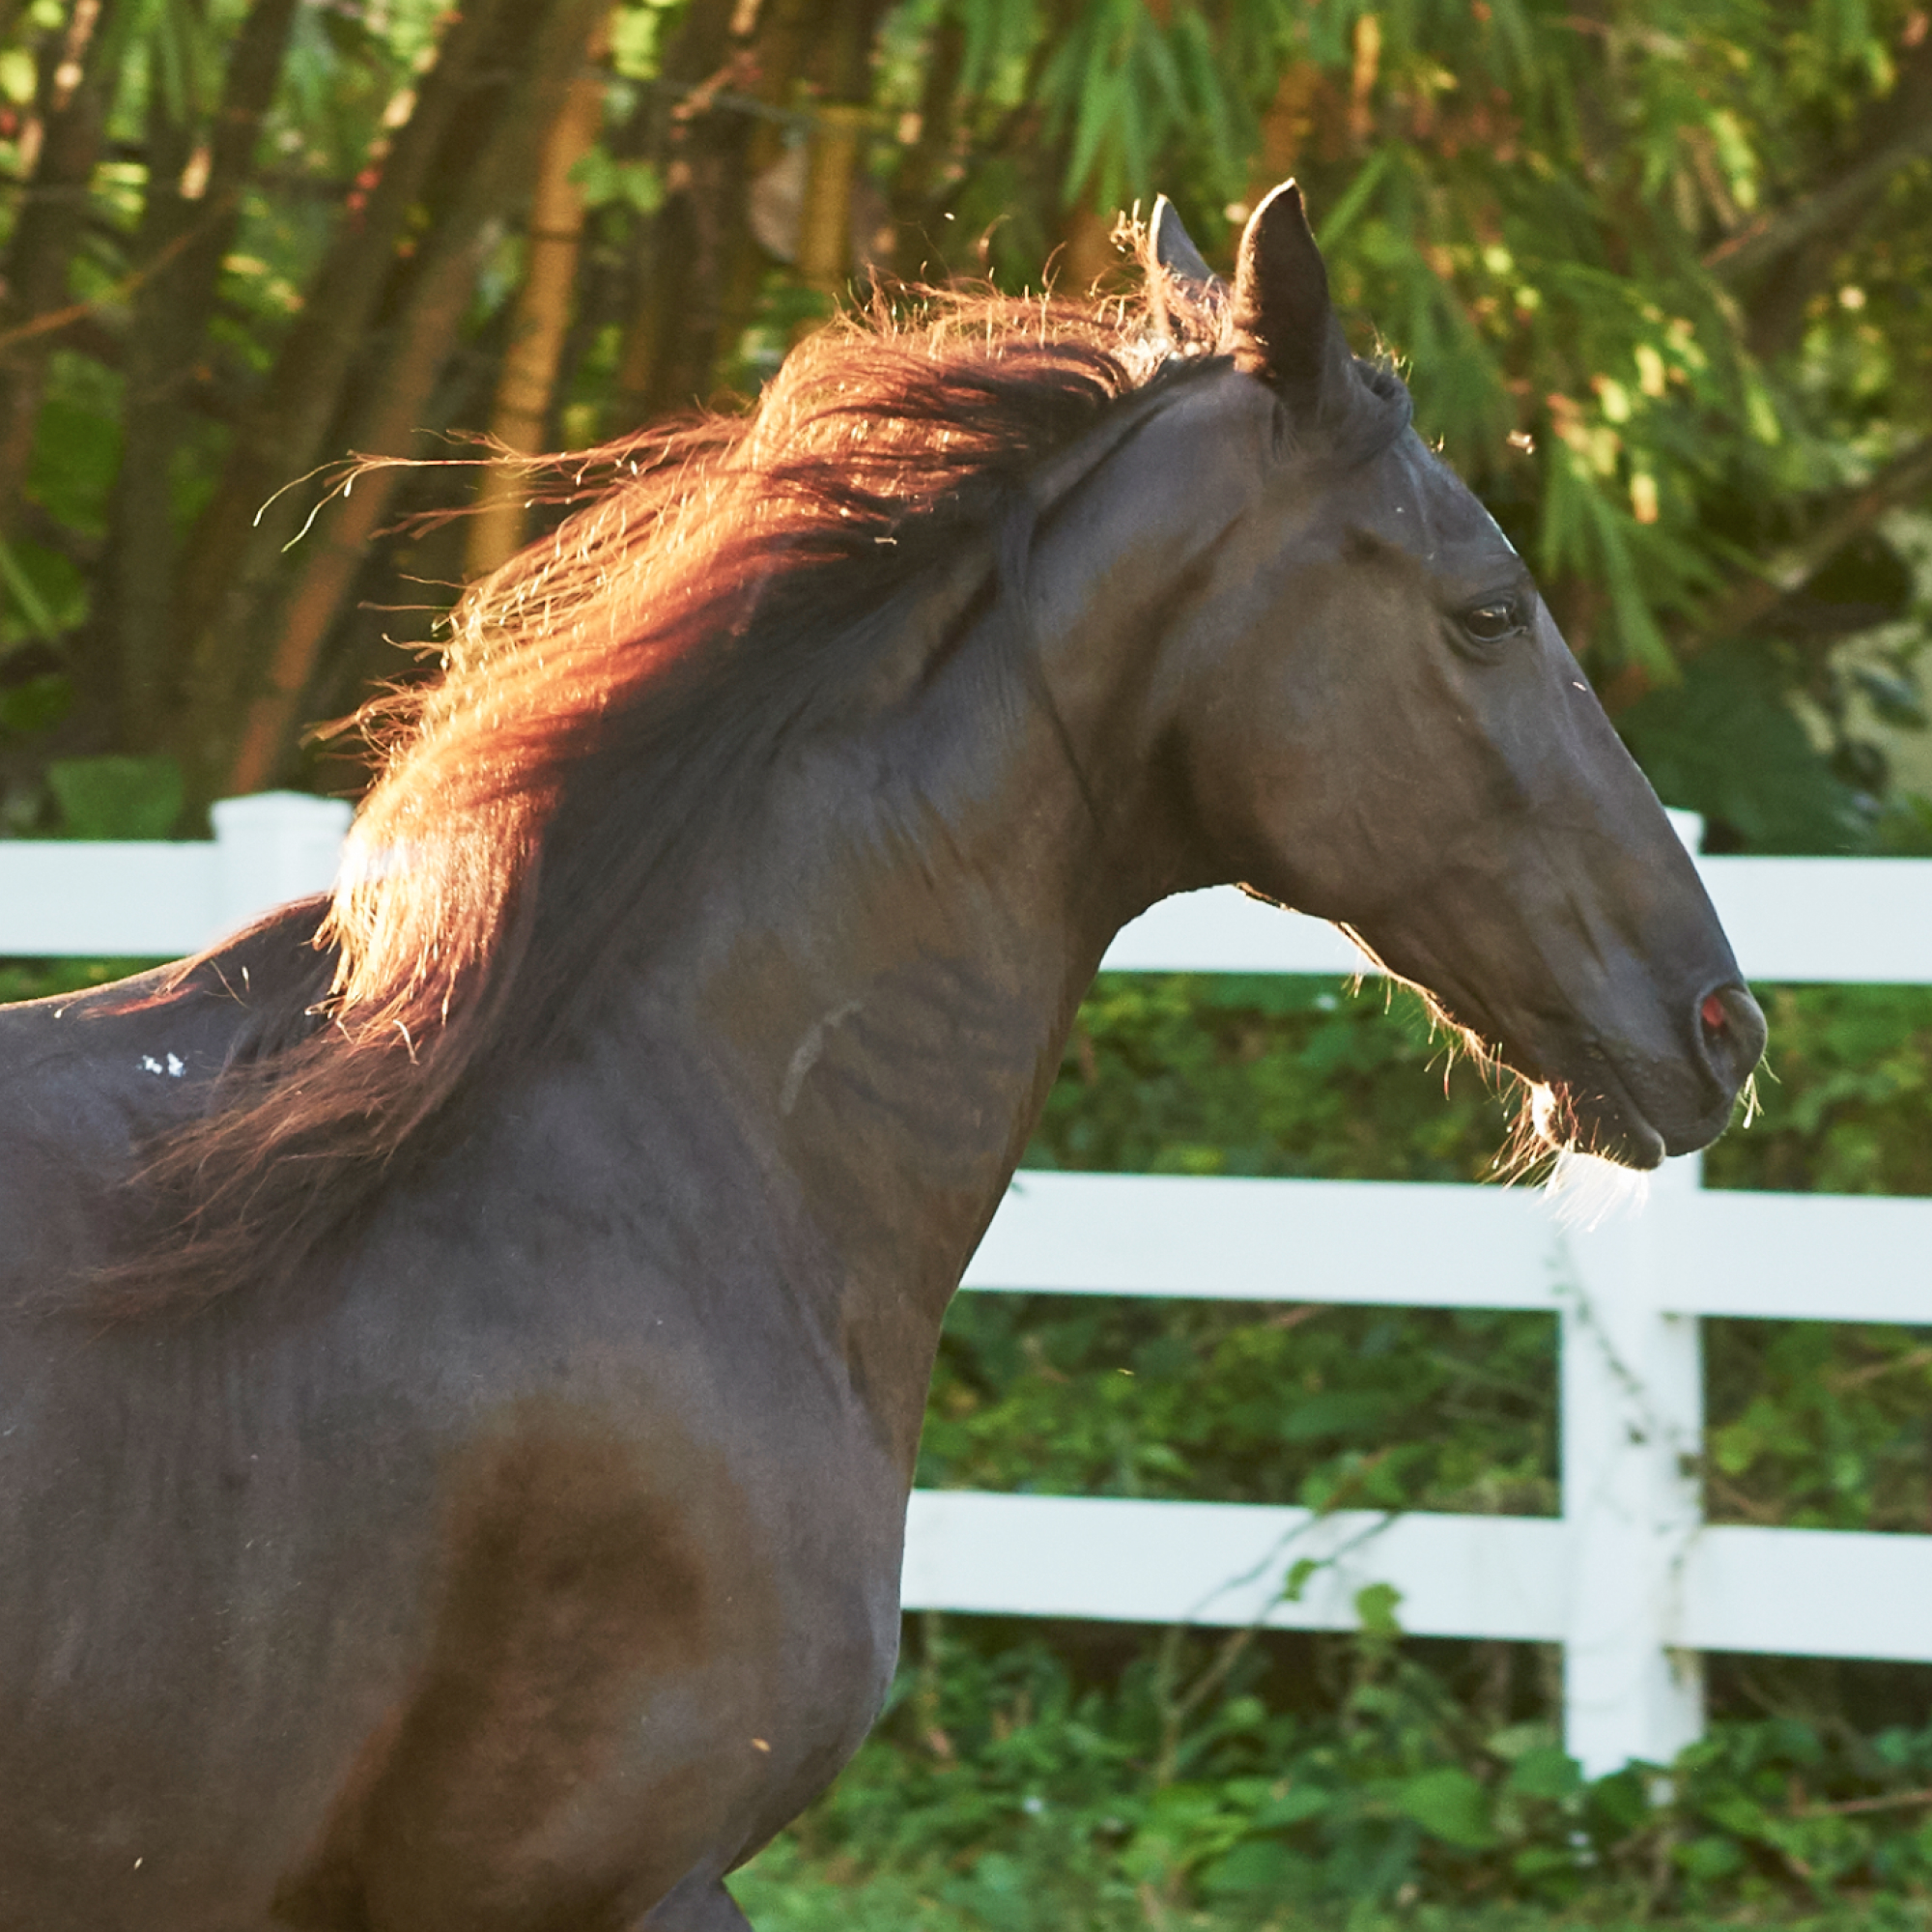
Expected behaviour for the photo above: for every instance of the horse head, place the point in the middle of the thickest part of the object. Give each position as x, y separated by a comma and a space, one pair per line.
1398, 739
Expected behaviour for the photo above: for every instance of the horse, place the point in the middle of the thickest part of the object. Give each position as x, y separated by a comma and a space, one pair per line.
457, 1419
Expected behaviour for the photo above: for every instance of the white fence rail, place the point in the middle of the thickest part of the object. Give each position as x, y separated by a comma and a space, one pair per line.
1628, 1579
158, 900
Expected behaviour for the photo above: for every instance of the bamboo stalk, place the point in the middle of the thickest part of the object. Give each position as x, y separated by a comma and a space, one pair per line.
520, 417
825, 218
839, 130
667, 357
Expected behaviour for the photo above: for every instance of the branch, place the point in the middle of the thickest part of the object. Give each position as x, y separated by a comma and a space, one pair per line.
1778, 233
1848, 1807
1789, 253
1749, 602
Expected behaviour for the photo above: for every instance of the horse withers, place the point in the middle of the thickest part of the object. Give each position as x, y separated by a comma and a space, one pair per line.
455, 1438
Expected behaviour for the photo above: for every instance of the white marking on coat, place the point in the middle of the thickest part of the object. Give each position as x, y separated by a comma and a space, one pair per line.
807, 1053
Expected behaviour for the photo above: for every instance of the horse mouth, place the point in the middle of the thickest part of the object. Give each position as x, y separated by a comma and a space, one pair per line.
1574, 1119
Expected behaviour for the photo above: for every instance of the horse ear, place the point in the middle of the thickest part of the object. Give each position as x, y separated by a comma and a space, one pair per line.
1180, 266
1285, 328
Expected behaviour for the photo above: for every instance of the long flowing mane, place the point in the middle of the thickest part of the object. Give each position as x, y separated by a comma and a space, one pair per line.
620, 671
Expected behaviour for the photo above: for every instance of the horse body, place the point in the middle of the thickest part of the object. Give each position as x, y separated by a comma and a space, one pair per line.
297, 1581
529, 1560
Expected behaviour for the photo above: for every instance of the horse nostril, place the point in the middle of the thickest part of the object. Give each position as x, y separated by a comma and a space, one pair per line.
1732, 1035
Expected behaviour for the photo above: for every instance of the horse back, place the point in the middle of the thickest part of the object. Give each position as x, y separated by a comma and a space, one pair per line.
89, 1080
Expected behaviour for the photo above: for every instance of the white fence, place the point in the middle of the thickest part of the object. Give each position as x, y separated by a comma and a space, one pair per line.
1628, 1579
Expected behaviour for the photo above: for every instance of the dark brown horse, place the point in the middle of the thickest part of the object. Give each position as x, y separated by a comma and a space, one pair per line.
454, 1439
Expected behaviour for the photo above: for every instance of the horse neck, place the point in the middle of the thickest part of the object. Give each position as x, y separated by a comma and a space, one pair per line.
881, 980
892, 1002
883, 985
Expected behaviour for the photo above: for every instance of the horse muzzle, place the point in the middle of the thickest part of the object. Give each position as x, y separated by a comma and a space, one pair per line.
1634, 1108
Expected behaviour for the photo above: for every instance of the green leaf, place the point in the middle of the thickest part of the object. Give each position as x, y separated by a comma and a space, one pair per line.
1376, 1610
604, 180
1256, 1867
1335, 1412
1546, 1772
1295, 1805
1361, 192
1725, 743
1709, 1857
37, 705
1299, 1573
27, 601
117, 797
1451, 1805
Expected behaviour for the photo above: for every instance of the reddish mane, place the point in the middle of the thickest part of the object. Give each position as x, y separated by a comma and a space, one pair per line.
616, 642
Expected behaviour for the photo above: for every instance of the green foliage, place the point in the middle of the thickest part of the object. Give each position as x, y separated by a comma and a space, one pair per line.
1845, 1105
1724, 741
1540, 212
1820, 1426
1180, 1073
1366, 1409
117, 797
43, 978
45, 595
1239, 1074
1009, 1788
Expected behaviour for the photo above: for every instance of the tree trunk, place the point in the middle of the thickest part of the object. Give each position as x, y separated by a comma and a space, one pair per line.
75, 92
520, 417
190, 211
234, 560
919, 187
1787, 254
262, 727
667, 352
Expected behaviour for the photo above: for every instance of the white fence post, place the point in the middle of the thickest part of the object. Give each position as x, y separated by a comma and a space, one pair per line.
1632, 1409
272, 846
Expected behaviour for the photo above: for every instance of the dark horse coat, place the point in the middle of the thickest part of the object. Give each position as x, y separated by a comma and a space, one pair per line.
455, 1437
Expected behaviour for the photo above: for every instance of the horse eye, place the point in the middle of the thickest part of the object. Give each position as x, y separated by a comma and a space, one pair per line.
1492, 623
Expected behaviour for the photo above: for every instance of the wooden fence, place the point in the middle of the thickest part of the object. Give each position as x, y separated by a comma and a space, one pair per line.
1628, 1579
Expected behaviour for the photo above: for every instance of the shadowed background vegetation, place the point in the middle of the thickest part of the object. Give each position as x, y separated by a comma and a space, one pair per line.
1661, 279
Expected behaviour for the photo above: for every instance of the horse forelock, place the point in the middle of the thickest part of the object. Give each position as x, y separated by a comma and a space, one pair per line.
617, 675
